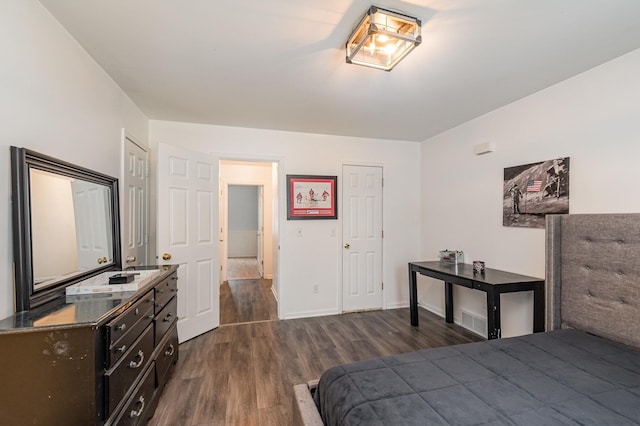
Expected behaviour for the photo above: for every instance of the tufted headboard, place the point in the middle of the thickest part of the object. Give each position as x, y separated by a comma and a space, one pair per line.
593, 274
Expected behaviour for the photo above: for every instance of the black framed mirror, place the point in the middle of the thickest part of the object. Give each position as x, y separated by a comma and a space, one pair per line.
65, 226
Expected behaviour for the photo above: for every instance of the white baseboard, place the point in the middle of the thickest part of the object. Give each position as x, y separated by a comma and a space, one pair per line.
433, 309
309, 314
397, 305
459, 321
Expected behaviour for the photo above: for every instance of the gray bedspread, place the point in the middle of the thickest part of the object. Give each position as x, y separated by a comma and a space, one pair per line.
565, 377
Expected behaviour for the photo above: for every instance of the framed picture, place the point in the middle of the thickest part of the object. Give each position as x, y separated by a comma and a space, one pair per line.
312, 197
532, 191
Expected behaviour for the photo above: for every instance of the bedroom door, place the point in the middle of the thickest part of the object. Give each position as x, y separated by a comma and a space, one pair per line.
188, 235
260, 233
135, 204
90, 204
222, 229
361, 238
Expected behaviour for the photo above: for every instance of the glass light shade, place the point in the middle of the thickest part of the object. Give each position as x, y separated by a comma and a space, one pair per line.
383, 38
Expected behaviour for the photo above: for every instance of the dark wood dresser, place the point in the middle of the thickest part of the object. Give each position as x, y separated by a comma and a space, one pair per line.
98, 359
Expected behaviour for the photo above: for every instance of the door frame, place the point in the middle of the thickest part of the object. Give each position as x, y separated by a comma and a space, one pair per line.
340, 241
278, 206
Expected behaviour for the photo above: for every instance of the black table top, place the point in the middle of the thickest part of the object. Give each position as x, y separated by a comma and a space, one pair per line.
465, 271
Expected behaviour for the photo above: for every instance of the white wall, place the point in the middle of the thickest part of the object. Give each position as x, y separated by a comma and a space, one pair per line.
298, 153
55, 100
592, 118
243, 220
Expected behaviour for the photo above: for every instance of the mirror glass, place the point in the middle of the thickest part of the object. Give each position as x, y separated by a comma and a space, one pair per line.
65, 226
70, 226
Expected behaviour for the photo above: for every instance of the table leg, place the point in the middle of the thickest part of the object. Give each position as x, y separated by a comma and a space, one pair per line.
413, 297
538, 308
493, 315
448, 302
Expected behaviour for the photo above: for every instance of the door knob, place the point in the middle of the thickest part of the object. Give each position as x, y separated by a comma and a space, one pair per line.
347, 245
131, 259
166, 256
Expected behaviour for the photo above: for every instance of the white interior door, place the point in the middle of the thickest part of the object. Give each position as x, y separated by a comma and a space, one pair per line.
261, 231
135, 205
361, 238
222, 230
90, 203
187, 235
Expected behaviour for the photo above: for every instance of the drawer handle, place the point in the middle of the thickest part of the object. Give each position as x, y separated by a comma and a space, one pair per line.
167, 317
175, 290
159, 290
121, 348
170, 351
121, 327
138, 413
174, 278
134, 364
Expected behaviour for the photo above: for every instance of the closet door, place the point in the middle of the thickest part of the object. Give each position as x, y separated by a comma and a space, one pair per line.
361, 238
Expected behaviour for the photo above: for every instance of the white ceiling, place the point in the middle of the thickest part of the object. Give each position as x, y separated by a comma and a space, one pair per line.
279, 64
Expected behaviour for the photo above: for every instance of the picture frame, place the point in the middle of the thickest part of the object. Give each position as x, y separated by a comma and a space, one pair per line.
312, 197
532, 191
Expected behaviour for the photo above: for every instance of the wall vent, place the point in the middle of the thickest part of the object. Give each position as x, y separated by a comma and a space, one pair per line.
474, 323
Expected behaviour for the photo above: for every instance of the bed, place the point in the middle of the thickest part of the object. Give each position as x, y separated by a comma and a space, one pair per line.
585, 369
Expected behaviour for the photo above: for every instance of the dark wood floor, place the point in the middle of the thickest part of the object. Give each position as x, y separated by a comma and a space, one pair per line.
247, 301
243, 374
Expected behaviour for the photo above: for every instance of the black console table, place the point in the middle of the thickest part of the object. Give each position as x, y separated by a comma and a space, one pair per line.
493, 282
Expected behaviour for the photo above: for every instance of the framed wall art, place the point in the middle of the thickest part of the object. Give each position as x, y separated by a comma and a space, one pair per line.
532, 191
312, 197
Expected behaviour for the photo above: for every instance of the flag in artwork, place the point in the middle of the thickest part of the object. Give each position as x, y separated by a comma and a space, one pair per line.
534, 185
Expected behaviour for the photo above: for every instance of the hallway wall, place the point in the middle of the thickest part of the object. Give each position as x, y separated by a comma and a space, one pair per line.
243, 220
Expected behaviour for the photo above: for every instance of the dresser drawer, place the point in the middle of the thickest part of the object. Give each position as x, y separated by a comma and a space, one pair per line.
136, 410
118, 349
167, 355
120, 378
165, 319
165, 291
124, 322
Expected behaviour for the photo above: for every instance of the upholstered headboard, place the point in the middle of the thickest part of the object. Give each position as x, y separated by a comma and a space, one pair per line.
593, 274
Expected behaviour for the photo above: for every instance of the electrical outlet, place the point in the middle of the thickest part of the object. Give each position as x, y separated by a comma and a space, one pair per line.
316, 290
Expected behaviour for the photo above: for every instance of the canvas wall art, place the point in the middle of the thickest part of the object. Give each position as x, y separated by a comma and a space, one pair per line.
532, 191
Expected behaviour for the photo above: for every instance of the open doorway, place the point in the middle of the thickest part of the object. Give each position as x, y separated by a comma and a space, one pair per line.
248, 211
244, 232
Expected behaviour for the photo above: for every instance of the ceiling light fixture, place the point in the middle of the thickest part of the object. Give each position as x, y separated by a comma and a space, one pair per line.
383, 38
